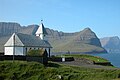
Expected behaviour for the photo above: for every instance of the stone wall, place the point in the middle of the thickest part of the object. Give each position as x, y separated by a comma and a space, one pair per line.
40, 59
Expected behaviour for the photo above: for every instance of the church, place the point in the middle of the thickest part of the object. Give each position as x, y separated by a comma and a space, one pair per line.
20, 44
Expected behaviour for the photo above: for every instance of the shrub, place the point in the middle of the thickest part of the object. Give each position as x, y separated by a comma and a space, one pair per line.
39, 52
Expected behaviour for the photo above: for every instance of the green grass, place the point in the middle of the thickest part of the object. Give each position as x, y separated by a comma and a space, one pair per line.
89, 57
21, 70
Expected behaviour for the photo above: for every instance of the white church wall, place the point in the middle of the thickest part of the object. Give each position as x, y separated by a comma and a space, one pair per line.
18, 51
21, 50
47, 49
25, 50
8, 51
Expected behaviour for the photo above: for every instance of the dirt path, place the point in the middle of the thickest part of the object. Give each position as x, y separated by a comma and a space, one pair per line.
77, 63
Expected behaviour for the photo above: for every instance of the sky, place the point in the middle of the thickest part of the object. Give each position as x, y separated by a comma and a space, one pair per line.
102, 16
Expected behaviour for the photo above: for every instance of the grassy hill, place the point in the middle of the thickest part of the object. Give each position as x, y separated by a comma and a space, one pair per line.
89, 57
21, 70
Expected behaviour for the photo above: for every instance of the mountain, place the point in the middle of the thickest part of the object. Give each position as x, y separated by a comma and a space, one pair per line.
8, 28
111, 44
84, 41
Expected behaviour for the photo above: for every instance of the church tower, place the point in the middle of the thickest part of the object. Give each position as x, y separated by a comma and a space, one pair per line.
41, 32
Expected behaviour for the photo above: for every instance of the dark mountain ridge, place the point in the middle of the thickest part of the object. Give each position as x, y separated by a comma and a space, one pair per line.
8, 28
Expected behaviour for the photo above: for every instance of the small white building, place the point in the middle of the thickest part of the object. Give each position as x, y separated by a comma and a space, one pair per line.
20, 44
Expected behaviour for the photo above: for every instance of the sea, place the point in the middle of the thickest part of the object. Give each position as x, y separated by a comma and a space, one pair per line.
114, 58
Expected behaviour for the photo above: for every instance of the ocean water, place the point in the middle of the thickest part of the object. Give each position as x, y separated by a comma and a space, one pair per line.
114, 58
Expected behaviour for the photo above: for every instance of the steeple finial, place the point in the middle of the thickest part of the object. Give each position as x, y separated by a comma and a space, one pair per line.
41, 20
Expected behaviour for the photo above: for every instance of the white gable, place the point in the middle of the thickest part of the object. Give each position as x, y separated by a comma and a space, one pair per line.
11, 41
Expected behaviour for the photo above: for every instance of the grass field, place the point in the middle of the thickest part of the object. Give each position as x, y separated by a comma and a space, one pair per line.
89, 57
22, 70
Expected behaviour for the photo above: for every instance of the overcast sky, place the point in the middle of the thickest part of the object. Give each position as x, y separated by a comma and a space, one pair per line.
102, 16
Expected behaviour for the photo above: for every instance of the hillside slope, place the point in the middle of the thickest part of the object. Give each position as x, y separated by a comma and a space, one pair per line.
22, 70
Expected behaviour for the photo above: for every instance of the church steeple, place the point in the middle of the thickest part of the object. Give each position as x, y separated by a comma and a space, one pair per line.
41, 32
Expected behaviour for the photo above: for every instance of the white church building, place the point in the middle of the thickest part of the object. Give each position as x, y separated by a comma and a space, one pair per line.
20, 44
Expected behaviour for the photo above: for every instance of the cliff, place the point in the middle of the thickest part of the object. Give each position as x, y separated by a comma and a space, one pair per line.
111, 44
